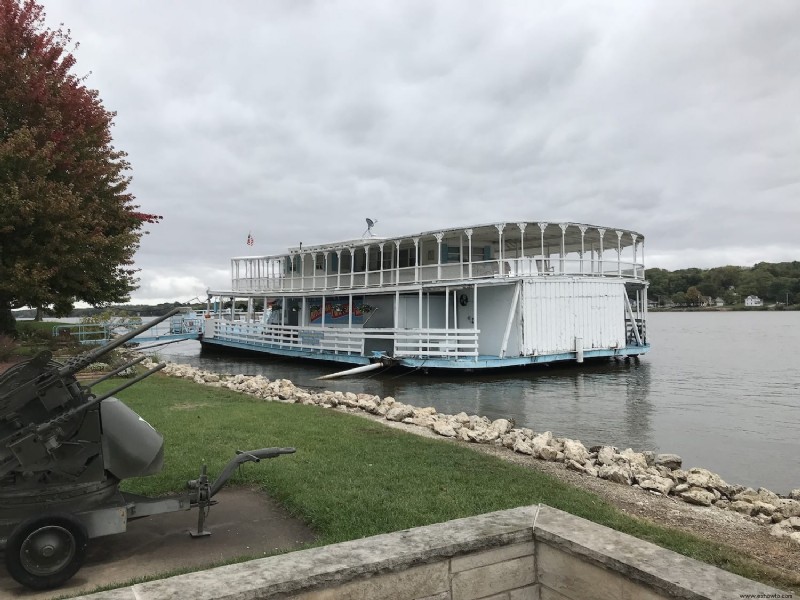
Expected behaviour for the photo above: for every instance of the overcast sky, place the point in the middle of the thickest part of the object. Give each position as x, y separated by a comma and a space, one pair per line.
295, 120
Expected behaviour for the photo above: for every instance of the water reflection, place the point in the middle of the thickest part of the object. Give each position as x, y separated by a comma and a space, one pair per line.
638, 409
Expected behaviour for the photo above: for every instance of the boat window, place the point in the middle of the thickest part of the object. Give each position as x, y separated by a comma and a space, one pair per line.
451, 254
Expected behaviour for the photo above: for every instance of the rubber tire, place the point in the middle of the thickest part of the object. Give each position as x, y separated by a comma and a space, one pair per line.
17, 538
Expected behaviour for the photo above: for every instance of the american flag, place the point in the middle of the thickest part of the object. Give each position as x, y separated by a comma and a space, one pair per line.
250, 240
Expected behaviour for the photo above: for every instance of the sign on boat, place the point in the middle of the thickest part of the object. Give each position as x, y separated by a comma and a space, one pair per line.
480, 297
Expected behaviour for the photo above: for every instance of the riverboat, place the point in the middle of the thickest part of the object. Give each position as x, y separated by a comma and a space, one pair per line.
467, 298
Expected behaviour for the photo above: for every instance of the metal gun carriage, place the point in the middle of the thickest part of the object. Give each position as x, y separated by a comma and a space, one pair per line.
64, 452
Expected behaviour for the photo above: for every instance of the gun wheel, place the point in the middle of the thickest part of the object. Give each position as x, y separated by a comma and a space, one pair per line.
44, 552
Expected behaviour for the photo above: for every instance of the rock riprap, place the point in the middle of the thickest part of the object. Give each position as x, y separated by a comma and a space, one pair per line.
651, 472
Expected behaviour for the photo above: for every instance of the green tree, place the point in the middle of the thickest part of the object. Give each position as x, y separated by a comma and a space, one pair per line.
756, 281
679, 298
68, 226
731, 297
725, 277
694, 297
659, 282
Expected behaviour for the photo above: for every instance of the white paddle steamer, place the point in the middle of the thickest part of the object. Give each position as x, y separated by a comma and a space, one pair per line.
468, 298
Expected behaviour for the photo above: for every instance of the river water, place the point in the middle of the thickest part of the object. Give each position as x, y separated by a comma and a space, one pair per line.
720, 389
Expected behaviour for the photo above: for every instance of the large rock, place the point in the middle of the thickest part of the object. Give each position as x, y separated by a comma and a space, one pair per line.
368, 405
462, 418
767, 496
398, 413
508, 440
428, 411
703, 478
523, 447
503, 426
605, 456
671, 461
547, 453
763, 508
680, 488
484, 435
590, 469
662, 485
444, 428
678, 475
746, 495
351, 400
422, 421
575, 450
636, 460
543, 439
698, 496
618, 473
476, 422
574, 465
795, 494
788, 507
740, 506
778, 531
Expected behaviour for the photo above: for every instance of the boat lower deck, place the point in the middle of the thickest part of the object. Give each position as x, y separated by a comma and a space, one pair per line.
479, 362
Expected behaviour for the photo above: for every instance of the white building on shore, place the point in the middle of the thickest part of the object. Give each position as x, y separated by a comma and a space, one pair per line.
753, 301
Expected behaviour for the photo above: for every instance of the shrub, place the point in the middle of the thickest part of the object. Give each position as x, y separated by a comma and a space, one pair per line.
7, 347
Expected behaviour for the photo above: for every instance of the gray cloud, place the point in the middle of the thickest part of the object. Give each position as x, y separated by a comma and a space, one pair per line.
295, 120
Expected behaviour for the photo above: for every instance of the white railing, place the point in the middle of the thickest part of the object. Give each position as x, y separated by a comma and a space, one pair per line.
537, 266
436, 343
422, 343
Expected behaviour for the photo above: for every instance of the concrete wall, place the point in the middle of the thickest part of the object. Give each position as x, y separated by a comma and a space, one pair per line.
527, 553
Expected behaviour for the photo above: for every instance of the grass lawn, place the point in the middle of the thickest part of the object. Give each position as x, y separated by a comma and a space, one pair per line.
352, 477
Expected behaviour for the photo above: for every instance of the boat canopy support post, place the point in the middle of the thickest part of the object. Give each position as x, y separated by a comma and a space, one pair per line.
511, 312
419, 318
446, 308
475, 311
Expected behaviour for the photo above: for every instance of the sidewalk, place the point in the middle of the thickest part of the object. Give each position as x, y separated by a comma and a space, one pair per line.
244, 523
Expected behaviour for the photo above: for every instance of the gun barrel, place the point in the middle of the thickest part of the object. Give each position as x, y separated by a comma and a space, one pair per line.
84, 360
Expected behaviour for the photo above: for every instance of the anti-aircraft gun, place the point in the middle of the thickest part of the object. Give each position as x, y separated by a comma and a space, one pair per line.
63, 453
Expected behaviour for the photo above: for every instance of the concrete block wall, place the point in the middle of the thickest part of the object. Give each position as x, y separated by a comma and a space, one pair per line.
527, 553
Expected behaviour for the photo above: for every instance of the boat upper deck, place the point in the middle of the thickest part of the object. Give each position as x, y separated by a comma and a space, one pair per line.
446, 256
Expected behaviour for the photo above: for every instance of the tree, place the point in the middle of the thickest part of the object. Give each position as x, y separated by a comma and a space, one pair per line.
694, 297
68, 226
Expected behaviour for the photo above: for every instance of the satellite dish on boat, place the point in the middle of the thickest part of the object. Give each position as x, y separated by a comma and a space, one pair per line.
370, 224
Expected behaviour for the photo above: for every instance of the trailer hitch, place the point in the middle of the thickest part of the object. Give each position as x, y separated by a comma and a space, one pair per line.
202, 491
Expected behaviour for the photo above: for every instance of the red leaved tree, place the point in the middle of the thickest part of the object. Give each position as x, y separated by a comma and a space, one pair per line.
68, 226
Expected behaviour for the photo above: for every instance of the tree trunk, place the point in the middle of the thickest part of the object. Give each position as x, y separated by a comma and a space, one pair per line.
7, 321
39, 314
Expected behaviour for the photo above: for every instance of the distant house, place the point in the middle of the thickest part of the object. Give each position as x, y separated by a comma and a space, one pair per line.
719, 301
753, 301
